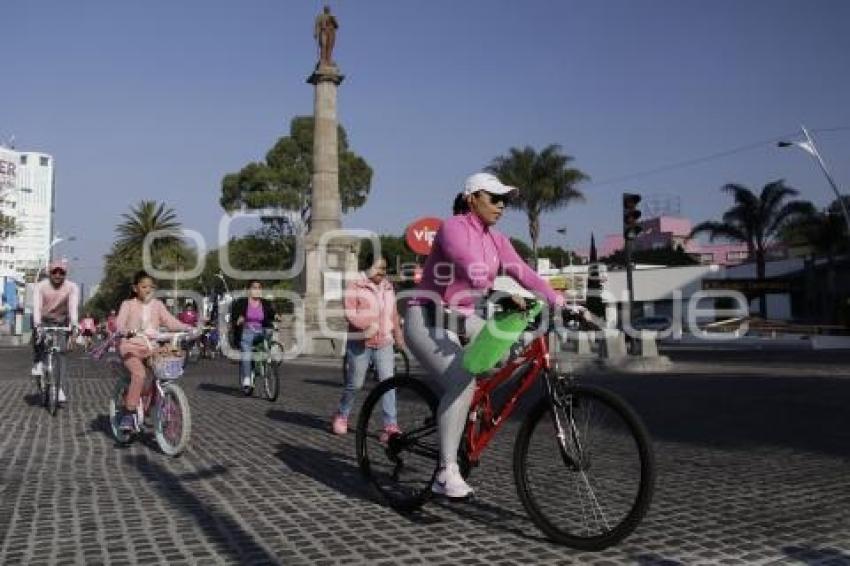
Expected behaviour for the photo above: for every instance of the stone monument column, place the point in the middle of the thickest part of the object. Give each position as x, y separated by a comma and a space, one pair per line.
325, 264
325, 212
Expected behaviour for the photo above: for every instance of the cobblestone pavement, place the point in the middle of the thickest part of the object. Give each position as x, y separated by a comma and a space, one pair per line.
752, 469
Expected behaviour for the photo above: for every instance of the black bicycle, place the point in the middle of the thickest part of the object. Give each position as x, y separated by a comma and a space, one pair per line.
401, 366
266, 358
55, 341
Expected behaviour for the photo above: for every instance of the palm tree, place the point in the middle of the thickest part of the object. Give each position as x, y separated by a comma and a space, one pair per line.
545, 182
166, 250
145, 218
756, 220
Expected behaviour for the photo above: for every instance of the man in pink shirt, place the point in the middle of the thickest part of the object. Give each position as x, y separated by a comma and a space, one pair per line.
55, 303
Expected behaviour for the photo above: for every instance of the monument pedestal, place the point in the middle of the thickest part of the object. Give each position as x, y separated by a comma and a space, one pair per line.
325, 274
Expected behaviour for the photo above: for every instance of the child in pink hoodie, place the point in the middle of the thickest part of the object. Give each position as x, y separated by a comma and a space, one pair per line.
373, 330
139, 319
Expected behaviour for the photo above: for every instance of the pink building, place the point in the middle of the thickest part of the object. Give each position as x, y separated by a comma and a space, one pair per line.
672, 232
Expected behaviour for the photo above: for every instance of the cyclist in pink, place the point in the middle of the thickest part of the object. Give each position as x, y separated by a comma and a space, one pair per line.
188, 315
140, 319
111, 324
88, 327
55, 303
466, 256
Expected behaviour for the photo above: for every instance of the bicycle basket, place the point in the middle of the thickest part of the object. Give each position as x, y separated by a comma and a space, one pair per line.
167, 366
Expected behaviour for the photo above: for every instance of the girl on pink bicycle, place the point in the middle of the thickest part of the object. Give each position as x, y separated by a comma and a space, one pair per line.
139, 320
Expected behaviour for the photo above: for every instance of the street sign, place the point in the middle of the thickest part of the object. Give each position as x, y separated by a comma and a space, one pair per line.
419, 235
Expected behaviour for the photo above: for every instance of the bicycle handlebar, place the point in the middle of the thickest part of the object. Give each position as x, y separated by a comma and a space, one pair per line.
160, 336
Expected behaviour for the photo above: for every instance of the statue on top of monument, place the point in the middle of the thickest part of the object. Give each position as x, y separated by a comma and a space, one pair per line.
325, 33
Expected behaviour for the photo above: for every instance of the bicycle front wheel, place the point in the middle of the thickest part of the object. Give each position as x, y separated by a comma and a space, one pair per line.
584, 467
172, 420
54, 368
402, 465
271, 373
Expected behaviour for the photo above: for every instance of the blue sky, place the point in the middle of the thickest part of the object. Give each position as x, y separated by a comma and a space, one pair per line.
158, 100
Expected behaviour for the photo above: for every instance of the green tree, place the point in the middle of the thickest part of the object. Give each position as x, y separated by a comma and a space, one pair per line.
143, 220
664, 256
394, 248
125, 257
756, 220
283, 180
558, 256
545, 180
522, 249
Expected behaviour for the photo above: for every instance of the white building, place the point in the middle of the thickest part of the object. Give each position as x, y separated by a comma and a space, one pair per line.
8, 208
27, 195
673, 291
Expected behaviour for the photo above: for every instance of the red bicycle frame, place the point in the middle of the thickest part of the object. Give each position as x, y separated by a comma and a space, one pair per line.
482, 423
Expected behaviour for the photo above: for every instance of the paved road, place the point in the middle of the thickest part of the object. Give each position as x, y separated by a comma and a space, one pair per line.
753, 469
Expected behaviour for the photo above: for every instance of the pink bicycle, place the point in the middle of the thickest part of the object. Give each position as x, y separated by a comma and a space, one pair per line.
164, 403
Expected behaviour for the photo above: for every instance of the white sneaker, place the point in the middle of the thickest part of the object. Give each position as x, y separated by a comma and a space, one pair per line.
61, 398
246, 381
450, 483
38, 369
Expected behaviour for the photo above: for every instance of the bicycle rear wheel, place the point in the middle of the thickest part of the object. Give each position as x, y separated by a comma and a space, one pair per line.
172, 420
591, 490
401, 466
116, 403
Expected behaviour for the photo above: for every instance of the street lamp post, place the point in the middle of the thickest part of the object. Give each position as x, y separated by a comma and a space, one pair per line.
57, 240
809, 147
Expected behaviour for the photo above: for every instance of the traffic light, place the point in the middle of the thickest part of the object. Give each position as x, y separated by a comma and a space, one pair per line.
631, 215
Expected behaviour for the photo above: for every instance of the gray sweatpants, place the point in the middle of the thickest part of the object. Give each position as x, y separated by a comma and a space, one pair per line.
441, 354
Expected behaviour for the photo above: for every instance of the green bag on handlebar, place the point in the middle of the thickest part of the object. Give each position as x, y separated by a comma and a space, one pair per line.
496, 338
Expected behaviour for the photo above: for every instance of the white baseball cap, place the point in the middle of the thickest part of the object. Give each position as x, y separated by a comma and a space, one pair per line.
485, 182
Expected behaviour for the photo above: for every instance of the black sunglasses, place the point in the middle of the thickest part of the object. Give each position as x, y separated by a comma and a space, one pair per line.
496, 199
59, 271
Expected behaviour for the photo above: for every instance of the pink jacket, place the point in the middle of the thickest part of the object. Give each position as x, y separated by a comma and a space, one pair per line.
135, 316
466, 258
367, 304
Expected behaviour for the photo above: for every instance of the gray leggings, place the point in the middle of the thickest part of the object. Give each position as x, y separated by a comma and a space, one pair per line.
440, 353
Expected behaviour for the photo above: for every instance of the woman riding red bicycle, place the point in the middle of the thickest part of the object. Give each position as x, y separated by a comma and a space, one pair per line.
469, 249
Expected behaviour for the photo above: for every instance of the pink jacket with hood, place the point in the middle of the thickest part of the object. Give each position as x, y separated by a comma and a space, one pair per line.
368, 305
